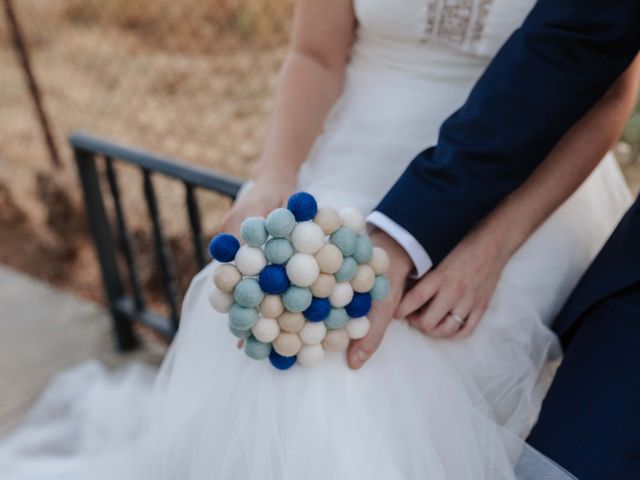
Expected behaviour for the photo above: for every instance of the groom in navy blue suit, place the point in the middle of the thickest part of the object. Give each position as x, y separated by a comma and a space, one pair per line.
545, 78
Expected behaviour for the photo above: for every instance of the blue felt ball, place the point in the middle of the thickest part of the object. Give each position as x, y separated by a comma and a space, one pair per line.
280, 223
256, 349
380, 288
359, 306
338, 318
363, 250
242, 318
273, 279
254, 232
303, 206
318, 310
240, 333
278, 250
297, 299
280, 362
347, 270
223, 247
345, 240
248, 293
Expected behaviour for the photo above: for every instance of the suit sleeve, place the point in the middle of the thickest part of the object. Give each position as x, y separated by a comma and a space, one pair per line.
555, 67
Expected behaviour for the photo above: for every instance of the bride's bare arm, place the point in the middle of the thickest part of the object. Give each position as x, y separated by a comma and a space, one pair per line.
310, 81
465, 280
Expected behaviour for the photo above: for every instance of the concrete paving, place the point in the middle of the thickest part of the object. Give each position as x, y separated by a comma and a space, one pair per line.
44, 331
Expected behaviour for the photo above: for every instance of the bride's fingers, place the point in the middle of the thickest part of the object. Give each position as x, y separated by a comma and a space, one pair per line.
470, 325
450, 326
433, 313
415, 298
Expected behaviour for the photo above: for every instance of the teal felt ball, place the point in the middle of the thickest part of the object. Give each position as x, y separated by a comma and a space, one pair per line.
380, 288
278, 250
345, 240
255, 349
253, 231
280, 223
242, 318
239, 333
303, 206
248, 293
347, 271
297, 299
363, 249
338, 318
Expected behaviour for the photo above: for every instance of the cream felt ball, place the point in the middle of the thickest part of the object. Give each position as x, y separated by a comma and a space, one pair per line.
342, 295
379, 261
248, 293
338, 318
297, 299
364, 279
256, 349
250, 260
242, 318
323, 286
358, 328
253, 231
345, 240
266, 329
352, 219
347, 270
329, 258
312, 333
307, 237
329, 219
278, 250
291, 322
364, 249
336, 340
280, 222
271, 306
287, 344
220, 300
380, 288
226, 277
311, 355
303, 270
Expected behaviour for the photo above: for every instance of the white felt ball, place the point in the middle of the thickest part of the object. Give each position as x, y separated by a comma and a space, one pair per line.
336, 340
287, 344
323, 286
302, 270
226, 277
220, 300
250, 260
311, 355
342, 295
358, 327
379, 261
352, 219
329, 258
291, 322
329, 219
307, 237
272, 306
364, 280
266, 330
313, 333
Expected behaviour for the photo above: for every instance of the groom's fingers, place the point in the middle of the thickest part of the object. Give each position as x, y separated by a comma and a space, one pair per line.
419, 295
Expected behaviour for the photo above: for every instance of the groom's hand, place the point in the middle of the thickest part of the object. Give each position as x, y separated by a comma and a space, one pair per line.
381, 314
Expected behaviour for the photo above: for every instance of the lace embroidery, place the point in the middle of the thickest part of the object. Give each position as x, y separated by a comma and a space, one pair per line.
457, 22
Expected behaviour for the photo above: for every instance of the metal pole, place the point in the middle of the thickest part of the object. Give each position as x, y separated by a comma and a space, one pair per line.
23, 54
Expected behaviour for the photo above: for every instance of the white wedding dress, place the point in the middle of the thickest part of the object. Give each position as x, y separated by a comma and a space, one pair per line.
420, 408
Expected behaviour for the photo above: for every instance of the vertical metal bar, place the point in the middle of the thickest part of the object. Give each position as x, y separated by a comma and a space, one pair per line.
162, 252
101, 232
196, 228
126, 241
25, 60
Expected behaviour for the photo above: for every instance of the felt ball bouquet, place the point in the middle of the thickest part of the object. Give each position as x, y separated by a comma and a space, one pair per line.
302, 283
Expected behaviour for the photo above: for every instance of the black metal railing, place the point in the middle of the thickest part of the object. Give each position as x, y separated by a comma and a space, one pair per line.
127, 305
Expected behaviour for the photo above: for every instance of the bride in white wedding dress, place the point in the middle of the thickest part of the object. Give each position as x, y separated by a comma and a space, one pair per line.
420, 408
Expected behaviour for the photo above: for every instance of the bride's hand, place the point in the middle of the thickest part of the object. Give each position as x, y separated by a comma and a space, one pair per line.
449, 302
265, 195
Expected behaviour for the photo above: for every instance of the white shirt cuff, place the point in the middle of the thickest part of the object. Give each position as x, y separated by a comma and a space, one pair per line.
419, 256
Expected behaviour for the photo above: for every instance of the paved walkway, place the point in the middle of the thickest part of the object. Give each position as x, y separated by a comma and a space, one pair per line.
44, 331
